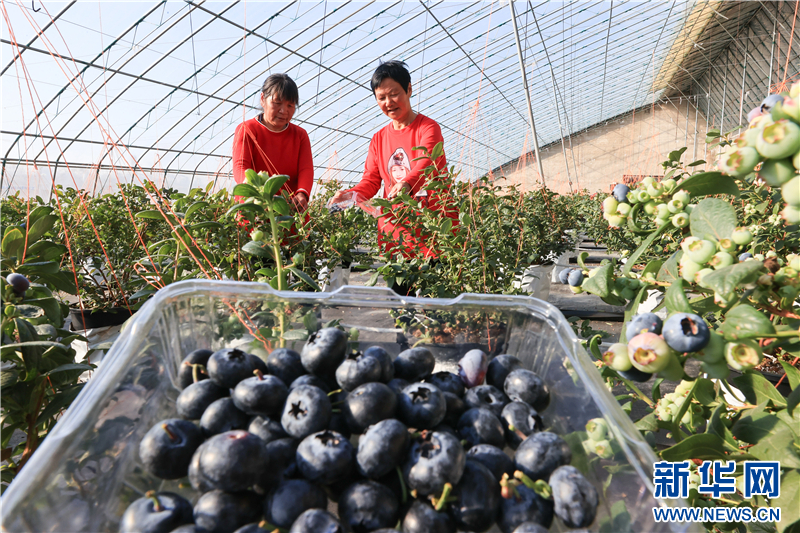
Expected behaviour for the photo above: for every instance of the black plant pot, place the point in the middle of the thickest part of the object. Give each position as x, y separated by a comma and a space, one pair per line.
88, 319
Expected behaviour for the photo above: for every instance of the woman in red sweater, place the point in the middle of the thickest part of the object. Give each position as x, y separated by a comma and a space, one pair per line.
390, 161
271, 143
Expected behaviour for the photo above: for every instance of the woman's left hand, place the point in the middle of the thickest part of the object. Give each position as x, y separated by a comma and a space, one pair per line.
399, 187
300, 201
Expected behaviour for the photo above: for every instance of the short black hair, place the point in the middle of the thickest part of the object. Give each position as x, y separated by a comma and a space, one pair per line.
394, 69
282, 86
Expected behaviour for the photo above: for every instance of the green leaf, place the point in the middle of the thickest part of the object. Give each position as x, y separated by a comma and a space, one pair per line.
258, 249
151, 214
259, 210
726, 280
281, 207
675, 299
305, 277
704, 391
13, 240
757, 389
46, 251
39, 212
51, 308
273, 184
581, 258
58, 402
647, 423
70, 366
707, 183
295, 335
787, 501
744, 321
61, 281
311, 322
653, 266
713, 219
32, 344
44, 267
669, 270
246, 190
31, 351
601, 283
193, 208
141, 293
208, 224
792, 400
700, 446
646, 244
717, 427
792, 374
40, 227
675, 155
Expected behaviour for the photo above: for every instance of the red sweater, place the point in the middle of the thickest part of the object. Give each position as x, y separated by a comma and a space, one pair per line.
390, 160
287, 152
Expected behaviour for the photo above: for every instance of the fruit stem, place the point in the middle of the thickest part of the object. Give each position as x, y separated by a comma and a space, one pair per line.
259, 374
636, 390
156, 504
337, 391
196, 369
528, 482
403, 490
336, 410
440, 503
172, 436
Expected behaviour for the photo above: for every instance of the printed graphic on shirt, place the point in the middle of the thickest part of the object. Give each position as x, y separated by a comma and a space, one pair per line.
399, 165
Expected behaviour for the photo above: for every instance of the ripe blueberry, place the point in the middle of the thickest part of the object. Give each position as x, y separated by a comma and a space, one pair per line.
382, 448
481, 426
686, 332
358, 369
366, 506
477, 498
447, 382
222, 416
434, 459
575, 278
325, 457
499, 368
193, 401
387, 366
166, 450
414, 364
526, 507
156, 513
307, 410
486, 396
324, 352
575, 498
525, 386
187, 371
421, 406
260, 395
19, 283
316, 521
472, 368
285, 364
266, 429
422, 518
292, 498
641, 323
541, 453
221, 512
492, 458
229, 366
369, 404
232, 461
519, 420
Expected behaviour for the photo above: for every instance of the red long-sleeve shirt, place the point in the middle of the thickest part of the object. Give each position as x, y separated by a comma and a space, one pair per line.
287, 152
390, 159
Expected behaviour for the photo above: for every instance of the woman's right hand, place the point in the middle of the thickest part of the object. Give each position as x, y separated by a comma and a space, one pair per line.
338, 197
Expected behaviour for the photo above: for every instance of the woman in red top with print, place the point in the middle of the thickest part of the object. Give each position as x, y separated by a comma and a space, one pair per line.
390, 161
271, 143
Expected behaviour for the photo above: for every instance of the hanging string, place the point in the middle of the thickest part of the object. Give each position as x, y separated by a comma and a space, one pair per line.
321, 48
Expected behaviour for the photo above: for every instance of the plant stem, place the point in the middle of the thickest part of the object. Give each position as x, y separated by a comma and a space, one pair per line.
639, 393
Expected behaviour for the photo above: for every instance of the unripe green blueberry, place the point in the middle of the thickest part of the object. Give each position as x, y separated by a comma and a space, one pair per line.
689, 208
10, 310
689, 270
699, 277
721, 260
796, 160
257, 235
755, 127
714, 351
624, 209
788, 295
740, 161
632, 197
680, 220
597, 429
791, 214
648, 352
786, 276
616, 221
575, 290
675, 206
628, 294
726, 245
642, 196
682, 196
794, 262
617, 357
743, 355
791, 191
648, 180
701, 251
660, 222
776, 172
610, 205
716, 370
669, 185
662, 211
686, 242
741, 236
650, 207
779, 140
655, 190
603, 449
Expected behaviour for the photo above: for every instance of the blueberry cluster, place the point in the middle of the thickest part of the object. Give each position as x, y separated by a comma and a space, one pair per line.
395, 445
670, 405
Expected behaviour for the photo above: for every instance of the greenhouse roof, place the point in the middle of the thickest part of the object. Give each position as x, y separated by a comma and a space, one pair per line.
100, 88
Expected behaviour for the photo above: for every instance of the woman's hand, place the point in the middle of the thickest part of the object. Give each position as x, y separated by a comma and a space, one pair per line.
300, 201
399, 188
338, 197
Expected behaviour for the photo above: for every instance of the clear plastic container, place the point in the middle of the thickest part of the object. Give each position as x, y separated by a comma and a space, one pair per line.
351, 199
87, 470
